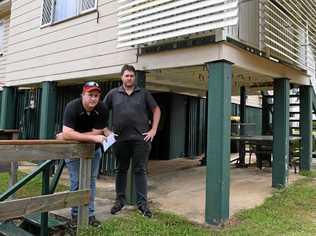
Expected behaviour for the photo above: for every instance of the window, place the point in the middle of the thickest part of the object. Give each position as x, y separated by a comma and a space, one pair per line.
58, 10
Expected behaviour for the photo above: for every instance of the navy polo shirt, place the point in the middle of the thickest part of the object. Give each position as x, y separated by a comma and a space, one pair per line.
130, 113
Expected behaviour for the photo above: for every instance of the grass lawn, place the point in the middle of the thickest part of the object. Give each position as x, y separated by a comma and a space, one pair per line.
291, 211
33, 188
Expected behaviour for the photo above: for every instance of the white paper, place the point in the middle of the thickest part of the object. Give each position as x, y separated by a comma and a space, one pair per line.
108, 142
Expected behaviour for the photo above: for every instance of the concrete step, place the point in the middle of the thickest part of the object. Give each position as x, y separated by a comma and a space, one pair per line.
35, 219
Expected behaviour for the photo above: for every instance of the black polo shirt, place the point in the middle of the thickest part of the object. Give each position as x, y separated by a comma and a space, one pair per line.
130, 113
77, 118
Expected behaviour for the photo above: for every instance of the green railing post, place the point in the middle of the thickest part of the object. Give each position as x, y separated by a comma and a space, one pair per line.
140, 77
218, 142
47, 131
54, 182
45, 191
306, 127
8, 106
280, 133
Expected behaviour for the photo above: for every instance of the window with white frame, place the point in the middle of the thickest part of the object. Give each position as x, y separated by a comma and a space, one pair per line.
58, 10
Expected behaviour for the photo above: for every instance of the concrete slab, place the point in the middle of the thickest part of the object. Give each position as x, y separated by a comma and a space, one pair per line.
178, 186
183, 192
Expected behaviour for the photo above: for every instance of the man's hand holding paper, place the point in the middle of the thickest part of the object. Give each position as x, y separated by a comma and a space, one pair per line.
109, 141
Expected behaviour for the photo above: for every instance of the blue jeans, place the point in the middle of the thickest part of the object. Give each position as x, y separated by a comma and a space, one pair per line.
73, 169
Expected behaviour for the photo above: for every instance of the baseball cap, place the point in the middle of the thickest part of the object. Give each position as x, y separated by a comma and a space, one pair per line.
90, 86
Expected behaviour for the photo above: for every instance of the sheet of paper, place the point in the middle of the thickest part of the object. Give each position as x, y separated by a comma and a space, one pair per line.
108, 142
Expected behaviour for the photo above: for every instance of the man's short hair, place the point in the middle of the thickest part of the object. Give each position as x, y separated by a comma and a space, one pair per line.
129, 68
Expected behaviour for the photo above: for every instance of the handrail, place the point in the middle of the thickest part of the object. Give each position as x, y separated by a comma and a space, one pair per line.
37, 150
37, 142
24, 181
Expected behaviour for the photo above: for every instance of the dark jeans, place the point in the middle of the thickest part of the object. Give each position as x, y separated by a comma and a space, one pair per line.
138, 151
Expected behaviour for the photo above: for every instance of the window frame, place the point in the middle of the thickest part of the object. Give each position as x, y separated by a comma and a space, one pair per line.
79, 13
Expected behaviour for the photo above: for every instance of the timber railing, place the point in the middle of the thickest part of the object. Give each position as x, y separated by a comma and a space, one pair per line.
47, 150
10, 167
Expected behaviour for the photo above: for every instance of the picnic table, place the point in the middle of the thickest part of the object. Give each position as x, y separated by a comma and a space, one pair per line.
260, 138
260, 144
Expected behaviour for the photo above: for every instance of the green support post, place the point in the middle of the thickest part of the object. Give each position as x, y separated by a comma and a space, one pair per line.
242, 148
140, 77
243, 100
280, 133
218, 142
0, 101
8, 106
306, 127
204, 159
48, 110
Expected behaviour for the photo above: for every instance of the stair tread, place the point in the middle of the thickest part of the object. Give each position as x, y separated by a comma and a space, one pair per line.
35, 219
11, 229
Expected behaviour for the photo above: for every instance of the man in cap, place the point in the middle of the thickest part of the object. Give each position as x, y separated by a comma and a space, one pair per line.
85, 120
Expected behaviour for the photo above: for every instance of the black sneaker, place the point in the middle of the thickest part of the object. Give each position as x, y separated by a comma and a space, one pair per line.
117, 208
144, 210
94, 222
74, 221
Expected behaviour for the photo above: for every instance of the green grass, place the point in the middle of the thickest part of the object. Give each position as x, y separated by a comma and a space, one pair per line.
291, 211
308, 173
33, 188
161, 224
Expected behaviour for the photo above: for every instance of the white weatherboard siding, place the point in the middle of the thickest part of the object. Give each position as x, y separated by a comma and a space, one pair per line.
81, 47
5, 21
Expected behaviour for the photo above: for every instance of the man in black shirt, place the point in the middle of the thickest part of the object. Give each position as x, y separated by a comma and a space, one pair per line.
85, 120
130, 107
